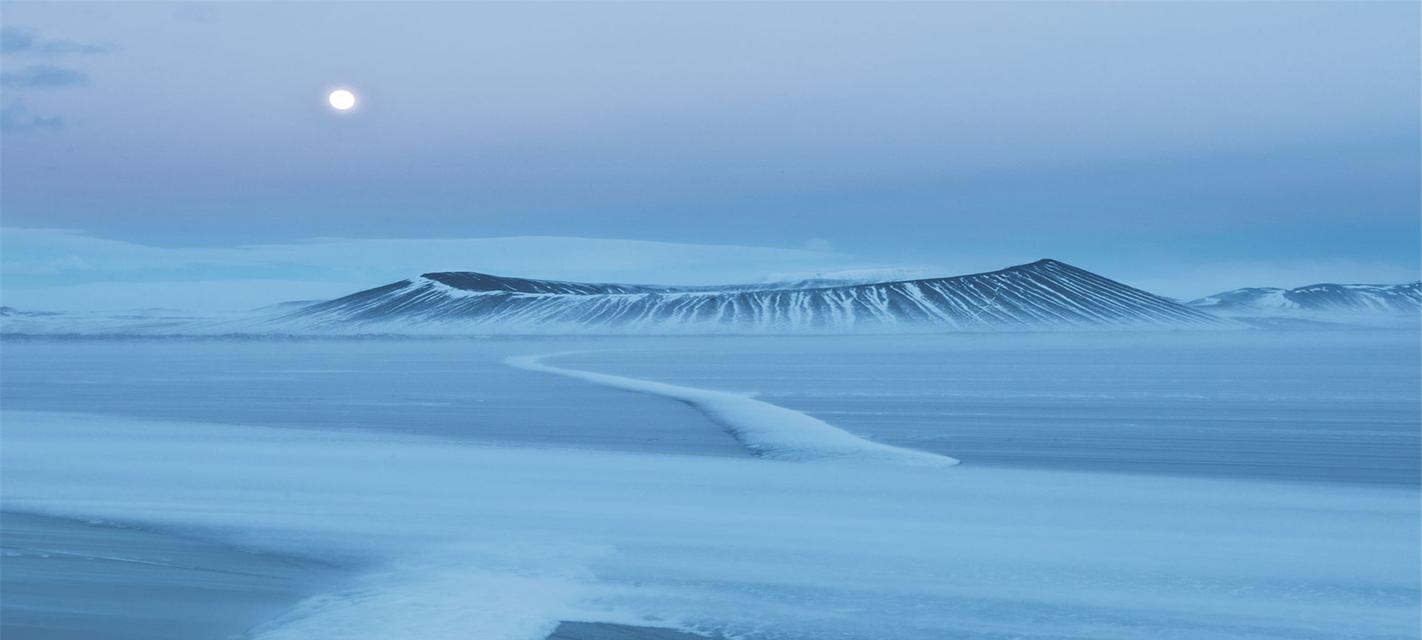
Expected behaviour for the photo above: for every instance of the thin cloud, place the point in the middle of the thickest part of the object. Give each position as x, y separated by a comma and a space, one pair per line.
44, 76
196, 13
17, 40
15, 117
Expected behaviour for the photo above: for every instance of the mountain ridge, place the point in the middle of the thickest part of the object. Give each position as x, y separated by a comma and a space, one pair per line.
1318, 299
1046, 293
632, 289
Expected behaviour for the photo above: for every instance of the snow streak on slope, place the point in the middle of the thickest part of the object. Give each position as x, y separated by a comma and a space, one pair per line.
1324, 298
1046, 293
766, 429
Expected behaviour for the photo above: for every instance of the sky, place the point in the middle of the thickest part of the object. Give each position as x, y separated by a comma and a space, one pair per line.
163, 154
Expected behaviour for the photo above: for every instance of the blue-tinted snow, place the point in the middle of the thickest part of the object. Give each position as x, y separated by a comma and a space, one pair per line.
1331, 406
1269, 490
1324, 407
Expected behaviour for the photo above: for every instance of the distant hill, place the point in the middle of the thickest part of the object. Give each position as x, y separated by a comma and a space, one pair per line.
1332, 301
1043, 294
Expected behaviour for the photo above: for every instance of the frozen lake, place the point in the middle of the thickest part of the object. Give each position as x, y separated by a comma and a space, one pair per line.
1315, 407
1238, 485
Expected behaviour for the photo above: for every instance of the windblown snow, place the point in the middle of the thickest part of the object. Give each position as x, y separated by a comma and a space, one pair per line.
500, 543
474, 532
767, 430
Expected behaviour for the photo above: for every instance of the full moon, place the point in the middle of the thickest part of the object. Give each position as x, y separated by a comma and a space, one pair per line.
341, 99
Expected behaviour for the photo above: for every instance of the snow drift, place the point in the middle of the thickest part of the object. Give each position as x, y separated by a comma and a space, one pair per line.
767, 430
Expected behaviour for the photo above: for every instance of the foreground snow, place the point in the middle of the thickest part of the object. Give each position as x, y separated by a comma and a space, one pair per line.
491, 542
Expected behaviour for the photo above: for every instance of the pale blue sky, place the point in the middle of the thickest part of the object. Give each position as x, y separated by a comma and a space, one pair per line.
1184, 146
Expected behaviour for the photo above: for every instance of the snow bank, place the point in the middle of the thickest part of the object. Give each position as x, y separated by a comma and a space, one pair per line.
766, 429
499, 543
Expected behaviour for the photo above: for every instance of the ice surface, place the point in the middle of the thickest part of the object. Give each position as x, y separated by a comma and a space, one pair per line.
482, 509
1315, 407
1333, 407
497, 542
67, 579
457, 389
770, 431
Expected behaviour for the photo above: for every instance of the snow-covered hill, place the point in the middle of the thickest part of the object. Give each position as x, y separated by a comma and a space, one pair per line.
1043, 294
1331, 301
132, 322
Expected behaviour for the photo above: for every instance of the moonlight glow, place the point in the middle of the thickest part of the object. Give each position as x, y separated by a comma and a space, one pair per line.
341, 100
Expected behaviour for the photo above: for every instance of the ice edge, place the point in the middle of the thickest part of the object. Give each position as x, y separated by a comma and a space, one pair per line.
769, 431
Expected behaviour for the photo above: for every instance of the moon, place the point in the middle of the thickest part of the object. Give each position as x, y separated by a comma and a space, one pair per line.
341, 100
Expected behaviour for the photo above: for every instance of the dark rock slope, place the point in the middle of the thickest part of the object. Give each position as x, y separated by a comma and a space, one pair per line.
1043, 294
